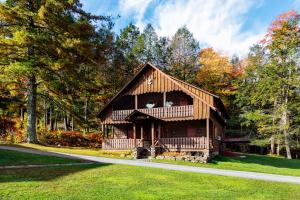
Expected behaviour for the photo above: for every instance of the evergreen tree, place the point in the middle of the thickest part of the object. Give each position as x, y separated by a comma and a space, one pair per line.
41, 40
183, 57
271, 83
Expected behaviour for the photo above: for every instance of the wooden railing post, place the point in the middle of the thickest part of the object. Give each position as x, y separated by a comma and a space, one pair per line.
142, 135
152, 134
134, 134
207, 133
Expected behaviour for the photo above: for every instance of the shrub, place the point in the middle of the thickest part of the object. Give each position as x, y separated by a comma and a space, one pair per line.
72, 139
10, 131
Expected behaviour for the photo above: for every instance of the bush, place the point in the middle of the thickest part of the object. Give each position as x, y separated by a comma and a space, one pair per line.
72, 139
10, 131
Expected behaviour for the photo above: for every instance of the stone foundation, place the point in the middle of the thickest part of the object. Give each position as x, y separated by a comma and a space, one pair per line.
202, 157
152, 152
137, 152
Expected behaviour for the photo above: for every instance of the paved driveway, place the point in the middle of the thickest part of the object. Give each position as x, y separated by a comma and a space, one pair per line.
143, 163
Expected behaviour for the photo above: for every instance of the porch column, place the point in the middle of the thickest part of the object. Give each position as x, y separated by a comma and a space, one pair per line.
142, 135
164, 99
134, 134
152, 148
152, 134
159, 130
135, 101
207, 132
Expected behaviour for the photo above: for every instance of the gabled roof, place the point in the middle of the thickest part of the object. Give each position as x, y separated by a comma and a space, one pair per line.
181, 84
137, 115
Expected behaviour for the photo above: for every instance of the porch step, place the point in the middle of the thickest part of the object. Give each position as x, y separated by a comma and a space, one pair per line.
144, 154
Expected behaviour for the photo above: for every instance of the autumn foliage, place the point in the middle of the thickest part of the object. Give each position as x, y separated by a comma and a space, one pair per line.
216, 73
72, 139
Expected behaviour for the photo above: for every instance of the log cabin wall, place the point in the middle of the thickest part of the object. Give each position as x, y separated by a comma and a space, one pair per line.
154, 81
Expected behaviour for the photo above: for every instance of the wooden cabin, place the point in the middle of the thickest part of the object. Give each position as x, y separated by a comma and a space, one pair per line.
155, 112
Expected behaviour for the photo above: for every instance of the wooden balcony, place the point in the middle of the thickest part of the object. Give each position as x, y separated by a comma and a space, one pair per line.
172, 144
184, 143
161, 113
119, 144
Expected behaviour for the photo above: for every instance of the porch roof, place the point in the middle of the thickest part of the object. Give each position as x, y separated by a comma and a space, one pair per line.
140, 116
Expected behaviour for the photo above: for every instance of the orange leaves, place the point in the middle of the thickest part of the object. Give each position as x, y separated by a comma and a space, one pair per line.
215, 68
278, 24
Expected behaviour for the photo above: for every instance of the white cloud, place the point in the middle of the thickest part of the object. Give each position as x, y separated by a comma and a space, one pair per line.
215, 23
135, 7
296, 4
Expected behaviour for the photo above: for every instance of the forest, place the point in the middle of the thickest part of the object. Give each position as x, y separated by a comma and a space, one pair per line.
59, 65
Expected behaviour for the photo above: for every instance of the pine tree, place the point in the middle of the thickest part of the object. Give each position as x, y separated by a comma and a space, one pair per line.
183, 57
43, 42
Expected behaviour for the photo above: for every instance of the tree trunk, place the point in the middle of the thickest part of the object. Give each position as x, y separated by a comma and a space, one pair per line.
278, 148
55, 122
65, 122
45, 113
284, 125
21, 117
272, 141
85, 113
72, 123
31, 110
50, 117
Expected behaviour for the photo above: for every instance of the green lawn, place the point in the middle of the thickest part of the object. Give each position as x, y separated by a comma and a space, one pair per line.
255, 163
130, 182
17, 158
80, 151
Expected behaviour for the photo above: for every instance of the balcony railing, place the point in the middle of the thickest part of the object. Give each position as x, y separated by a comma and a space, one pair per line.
180, 143
121, 144
185, 143
161, 112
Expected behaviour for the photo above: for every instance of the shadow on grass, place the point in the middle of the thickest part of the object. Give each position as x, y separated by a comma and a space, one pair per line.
44, 173
260, 160
17, 155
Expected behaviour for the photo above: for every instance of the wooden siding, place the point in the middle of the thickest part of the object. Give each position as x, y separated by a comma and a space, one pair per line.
159, 83
161, 113
203, 101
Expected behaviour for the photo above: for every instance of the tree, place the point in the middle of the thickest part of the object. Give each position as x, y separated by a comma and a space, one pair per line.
184, 49
44, 41
216, 74
274, 80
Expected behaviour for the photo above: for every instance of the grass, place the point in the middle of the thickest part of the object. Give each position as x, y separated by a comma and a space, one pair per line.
79, 151
253, 163
8, 157
103, 181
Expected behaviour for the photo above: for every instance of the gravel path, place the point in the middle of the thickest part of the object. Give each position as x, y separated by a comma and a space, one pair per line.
143, 163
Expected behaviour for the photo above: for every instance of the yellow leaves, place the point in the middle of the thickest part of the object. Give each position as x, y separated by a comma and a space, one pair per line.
21, 37
42, 12
71, 43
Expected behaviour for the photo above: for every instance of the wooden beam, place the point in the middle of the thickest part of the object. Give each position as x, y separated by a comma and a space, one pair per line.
159, 130
152, 134
207, 132
134, 134
135, 101
142, 135
164, 99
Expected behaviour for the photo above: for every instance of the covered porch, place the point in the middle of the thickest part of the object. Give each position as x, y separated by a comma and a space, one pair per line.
148, 132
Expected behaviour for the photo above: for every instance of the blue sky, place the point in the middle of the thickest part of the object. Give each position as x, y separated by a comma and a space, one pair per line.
230, 26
